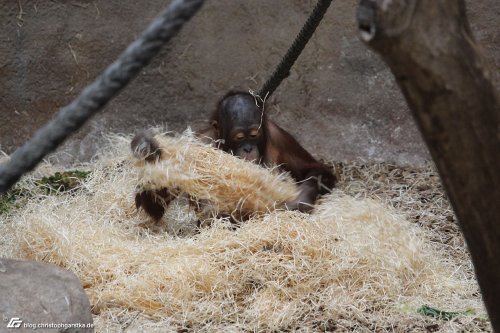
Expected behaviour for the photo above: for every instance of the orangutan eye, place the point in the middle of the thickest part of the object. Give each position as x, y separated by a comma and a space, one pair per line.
254, 133
239, 136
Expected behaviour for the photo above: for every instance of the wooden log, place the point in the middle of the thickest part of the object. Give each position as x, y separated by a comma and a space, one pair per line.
429, 47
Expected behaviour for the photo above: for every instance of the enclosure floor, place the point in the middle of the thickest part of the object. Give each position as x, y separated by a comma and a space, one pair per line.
415, 192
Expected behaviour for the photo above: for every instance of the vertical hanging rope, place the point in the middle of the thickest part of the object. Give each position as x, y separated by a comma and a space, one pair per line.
95, 96
283, 69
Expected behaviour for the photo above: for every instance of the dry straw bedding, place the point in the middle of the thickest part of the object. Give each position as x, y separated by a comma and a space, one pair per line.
354, 264
227, 185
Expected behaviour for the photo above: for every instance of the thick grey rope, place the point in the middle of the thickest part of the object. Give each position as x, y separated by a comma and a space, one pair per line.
95, 96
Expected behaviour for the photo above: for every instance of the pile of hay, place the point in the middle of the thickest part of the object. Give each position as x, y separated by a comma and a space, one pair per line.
352, 265
416, 192
209, 175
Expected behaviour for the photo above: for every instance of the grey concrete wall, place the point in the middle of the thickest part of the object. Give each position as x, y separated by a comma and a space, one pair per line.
340, 100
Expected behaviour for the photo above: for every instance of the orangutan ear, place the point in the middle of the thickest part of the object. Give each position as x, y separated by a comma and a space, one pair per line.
215, 124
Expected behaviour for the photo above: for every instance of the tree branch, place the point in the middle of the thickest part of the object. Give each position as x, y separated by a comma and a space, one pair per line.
430, 49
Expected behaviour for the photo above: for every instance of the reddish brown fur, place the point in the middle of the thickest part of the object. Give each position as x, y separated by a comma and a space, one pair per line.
154, 203
281, 149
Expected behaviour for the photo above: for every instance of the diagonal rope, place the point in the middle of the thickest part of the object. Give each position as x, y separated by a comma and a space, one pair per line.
283, 69
96, 95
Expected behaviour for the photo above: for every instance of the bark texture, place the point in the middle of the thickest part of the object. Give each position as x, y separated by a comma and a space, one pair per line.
440, 69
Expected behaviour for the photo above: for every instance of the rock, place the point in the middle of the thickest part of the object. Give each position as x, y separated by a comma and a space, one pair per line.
40, 293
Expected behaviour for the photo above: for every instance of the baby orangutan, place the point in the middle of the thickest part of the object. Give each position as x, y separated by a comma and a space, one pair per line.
239, 126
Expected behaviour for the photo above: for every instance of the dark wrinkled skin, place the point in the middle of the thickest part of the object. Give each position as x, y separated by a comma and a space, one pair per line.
238, 126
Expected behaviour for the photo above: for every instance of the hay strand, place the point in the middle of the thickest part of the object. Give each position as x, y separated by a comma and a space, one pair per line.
210, 175
355, 264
